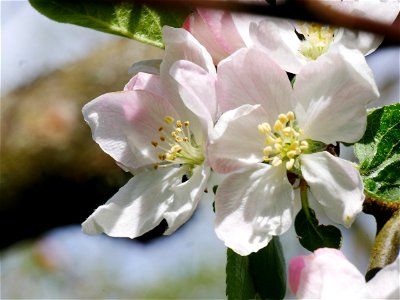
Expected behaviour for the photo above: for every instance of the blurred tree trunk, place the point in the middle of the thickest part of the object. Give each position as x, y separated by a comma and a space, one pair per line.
52, 172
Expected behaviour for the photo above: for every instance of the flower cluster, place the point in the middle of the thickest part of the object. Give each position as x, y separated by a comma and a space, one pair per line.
258, 99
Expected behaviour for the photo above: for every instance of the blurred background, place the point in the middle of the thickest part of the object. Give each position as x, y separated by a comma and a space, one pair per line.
53, 175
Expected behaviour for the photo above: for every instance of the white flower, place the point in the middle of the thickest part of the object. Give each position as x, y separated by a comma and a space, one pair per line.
278, 133
327, 274
281, 38
157, 128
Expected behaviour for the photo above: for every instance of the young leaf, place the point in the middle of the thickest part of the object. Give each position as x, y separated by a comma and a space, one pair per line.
379, 153
268, 271
239, 284
312, 235
127, 19
260, 275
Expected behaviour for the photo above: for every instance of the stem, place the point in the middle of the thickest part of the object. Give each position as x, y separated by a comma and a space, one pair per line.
381, 210
304, 198
306, 207
386, 247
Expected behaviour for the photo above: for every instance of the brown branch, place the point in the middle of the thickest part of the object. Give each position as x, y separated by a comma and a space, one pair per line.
304, 10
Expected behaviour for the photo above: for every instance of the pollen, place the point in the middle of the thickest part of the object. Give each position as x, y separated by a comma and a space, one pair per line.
283, 143
317, 39
168, 119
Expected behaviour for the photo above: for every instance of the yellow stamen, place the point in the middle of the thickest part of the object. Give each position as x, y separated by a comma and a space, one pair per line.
168, 119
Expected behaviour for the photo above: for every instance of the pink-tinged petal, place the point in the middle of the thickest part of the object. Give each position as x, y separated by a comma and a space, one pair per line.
278, 39
236, 142
329, 275
186, 197
332, 107
223, 28
124, 124
249, 76
151, 66
181, 45
386, 283
196, 88
137, 207
296, 266
145, 82
336, 184
253, 205
197, 26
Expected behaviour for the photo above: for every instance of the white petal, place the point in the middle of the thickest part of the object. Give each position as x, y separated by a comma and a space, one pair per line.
332, 107
249, 76
252, 206
181, 45
236, 142
386, 283
243, 23
186, 198
380, 11
278, 39
336, 184
125, 123
137, 207
197, 90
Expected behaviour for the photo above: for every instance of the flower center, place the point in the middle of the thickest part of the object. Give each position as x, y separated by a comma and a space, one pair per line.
177, 143
283, 142
317, 39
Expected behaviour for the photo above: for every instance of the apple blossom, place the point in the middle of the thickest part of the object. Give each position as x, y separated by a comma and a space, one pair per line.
157, 128
327, 274
274, 134
292, 43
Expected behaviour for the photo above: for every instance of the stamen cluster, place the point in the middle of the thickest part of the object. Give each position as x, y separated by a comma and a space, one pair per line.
179, 145
283, 143
317, 41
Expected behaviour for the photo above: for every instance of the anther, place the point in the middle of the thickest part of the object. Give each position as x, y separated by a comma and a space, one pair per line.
176, 148
276, 161
278, 147
278, 126
283, 118
269, 140
179, 124
303, 145
290, 116
291, 154
154, 143
287, 131
186, 123
168, 119
289, 164
162, 138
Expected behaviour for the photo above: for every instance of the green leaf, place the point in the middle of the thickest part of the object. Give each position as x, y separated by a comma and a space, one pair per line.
379, 153
127, 19
260, 275
312, 235
239, 283
268, 271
